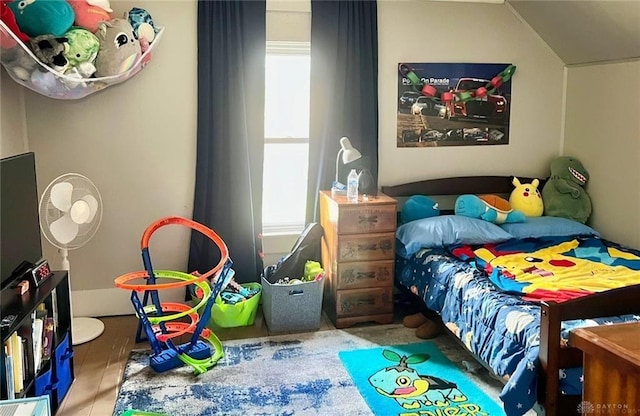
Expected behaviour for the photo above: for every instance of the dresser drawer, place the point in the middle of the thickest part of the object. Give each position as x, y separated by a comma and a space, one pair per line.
364, 301
366, 247
367, 219
364, 274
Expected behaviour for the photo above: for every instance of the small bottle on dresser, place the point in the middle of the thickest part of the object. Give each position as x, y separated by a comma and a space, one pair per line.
352, 186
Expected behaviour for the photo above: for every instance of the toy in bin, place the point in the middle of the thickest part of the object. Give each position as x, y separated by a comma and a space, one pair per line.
312, 272
236, 305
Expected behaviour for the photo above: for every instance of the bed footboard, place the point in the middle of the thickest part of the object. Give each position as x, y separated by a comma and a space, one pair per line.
553, 356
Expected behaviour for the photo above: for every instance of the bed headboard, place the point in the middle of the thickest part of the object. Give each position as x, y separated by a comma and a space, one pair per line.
454, 187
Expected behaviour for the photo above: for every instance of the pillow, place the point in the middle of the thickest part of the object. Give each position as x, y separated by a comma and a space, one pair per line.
447, 230
547, 226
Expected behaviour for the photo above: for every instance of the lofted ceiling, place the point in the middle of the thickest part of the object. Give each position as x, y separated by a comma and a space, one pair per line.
585, 31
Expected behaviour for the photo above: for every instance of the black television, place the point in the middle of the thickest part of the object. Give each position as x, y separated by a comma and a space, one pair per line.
20, 238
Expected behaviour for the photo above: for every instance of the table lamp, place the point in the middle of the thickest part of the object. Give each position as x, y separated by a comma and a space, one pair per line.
349, 154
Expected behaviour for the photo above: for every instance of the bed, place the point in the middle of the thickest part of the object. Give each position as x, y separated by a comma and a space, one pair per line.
517, 330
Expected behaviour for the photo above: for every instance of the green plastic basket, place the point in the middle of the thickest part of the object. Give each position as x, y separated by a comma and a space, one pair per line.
225, 315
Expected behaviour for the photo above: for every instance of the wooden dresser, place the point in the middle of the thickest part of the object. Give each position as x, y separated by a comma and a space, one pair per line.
611, 368
358, 252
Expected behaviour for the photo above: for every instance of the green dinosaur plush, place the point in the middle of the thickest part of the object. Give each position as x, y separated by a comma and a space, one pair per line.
563, 194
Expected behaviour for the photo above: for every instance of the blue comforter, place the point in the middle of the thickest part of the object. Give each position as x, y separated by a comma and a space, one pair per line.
501, 329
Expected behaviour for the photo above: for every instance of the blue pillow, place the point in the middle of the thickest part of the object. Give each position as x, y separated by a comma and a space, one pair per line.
546, 226
447, 230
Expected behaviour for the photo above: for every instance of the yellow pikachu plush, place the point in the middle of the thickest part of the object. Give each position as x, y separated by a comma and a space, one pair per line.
527, 198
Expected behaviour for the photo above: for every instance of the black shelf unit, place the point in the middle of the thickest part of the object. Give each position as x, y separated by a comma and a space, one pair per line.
55, 375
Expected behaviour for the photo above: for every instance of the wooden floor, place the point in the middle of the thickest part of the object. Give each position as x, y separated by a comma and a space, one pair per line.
99, 364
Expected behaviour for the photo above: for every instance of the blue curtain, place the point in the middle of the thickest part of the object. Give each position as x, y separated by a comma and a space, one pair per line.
230, 134
344, 89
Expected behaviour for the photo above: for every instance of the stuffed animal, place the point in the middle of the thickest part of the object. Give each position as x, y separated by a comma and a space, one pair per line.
83, 46
88, 13
9, 19
526, 198
43, 17
418, 207
490, 208
76, 75
142, 24
18, 63
563, 194
119, 48
49, 50
46, 83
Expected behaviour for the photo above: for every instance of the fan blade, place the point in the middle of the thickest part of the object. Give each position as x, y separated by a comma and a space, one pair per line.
80, 211
93, 207
64, 230
61, 196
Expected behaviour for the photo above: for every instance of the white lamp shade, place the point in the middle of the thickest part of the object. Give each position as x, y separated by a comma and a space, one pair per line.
349, 153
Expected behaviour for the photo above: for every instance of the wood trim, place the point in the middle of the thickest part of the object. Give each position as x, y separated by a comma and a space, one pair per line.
457, 186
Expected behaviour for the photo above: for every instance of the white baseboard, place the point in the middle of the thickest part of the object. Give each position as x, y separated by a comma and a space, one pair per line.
112, 302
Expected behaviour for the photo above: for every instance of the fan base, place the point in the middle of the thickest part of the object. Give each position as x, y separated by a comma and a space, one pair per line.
86, 329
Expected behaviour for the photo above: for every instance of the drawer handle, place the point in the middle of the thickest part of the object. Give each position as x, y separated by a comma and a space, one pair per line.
384, 246
352, 248
366, 247
351, 276
368, 219
366, 275
297, 292
347, 305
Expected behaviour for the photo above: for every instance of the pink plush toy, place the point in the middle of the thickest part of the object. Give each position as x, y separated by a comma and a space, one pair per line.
91, 12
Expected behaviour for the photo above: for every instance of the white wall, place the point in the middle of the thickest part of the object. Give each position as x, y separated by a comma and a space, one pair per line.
136, 141
13, 134
603, 131
423, 31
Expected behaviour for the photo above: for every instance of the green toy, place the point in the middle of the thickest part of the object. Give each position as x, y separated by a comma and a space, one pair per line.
312, 271
83, 46
133, 412
563, 194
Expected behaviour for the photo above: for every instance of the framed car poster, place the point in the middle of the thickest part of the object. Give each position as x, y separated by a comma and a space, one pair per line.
453, 104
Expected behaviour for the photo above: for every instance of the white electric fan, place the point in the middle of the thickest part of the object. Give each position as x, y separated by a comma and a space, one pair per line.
70, 213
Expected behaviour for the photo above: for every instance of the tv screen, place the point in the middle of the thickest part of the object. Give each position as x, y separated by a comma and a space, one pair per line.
20, 242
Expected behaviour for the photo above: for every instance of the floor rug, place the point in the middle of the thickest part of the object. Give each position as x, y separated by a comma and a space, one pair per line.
415, 379
297, 374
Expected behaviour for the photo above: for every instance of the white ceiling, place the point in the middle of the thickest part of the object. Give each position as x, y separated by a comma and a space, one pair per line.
585, 31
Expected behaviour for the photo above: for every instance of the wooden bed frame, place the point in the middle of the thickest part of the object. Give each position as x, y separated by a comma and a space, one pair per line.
552, 355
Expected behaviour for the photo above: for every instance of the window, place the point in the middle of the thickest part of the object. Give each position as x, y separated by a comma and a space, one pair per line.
287, 91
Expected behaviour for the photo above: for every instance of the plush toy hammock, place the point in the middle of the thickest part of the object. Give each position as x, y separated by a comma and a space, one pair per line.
27, 70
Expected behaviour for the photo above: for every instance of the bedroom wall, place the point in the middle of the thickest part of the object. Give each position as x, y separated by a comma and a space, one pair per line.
603, 131
415, 31
136, 142
13, 134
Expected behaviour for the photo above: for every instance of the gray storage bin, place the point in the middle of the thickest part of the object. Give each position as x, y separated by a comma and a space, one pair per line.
292, 308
